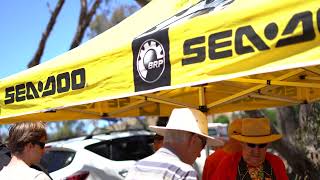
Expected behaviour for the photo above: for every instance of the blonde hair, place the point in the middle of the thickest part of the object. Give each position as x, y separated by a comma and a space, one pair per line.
22, 133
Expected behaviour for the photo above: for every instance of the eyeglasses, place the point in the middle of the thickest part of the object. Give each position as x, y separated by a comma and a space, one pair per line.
255, 145
41, 144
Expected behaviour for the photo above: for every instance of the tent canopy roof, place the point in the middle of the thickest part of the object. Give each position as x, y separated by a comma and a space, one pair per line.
218, 57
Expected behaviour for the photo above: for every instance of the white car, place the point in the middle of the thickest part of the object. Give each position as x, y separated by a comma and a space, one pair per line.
106, 156
218, 130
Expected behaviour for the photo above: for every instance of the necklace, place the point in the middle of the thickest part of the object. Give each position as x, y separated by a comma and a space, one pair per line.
256, 173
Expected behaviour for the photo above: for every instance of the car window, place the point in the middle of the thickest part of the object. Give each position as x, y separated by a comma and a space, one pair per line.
223, 131
212, 132
128, 148
218, 131
56, 159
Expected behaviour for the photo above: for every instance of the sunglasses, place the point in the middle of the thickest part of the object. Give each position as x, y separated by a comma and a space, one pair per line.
255, 145
41, 144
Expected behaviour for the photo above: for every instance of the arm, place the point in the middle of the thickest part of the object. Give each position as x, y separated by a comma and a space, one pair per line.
277, 166
280, 170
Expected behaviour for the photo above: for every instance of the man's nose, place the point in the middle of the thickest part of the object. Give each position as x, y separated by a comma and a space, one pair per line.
256, 149
199, 154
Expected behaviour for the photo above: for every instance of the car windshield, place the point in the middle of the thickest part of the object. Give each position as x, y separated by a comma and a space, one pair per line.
128, 148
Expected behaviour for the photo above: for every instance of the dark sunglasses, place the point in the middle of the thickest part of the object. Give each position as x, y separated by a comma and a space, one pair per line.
41, 144
255, 145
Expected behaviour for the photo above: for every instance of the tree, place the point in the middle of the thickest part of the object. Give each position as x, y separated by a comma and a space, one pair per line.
39, 52
222, 119
100, 23
67, 129
84, 21
143, 2
85, 17
106, 20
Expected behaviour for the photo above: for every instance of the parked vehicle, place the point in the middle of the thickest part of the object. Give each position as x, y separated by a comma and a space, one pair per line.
218, 130
105, 156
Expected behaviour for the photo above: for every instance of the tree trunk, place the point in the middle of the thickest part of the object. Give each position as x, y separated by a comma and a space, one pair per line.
142, 2
288, 120
296, 159
37, 56
84, 21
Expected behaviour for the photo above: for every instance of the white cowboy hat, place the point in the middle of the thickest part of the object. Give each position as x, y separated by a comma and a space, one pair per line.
256, 131
190, 120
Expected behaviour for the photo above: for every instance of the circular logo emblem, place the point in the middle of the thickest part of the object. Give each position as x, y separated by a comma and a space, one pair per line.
151, 60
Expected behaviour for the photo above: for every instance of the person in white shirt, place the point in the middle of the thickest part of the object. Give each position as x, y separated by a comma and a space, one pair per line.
185, 135
26, 142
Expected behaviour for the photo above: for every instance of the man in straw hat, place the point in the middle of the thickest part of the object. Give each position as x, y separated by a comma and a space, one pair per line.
185, 135
254, 162
231, 146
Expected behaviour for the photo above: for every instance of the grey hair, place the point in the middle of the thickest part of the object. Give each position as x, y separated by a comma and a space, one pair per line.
176, 136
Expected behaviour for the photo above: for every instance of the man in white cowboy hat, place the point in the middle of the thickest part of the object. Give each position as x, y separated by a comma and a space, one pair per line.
254, 162
185, 135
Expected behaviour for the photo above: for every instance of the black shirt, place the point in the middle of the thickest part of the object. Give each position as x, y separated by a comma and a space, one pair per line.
5, 156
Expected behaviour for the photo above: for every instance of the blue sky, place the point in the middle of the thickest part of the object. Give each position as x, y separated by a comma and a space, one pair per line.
22, 24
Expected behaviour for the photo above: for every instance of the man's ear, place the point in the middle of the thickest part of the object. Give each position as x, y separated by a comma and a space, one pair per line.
29, 146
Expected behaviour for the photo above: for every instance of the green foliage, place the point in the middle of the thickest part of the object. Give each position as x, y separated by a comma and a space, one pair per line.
271, 115
66, 129
222, 119
238, 114
107, 18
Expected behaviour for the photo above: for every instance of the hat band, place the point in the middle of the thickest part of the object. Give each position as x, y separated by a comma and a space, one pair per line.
256, 135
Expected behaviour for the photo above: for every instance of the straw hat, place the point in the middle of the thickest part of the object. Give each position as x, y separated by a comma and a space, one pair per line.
256, 131
190, 120
235, 127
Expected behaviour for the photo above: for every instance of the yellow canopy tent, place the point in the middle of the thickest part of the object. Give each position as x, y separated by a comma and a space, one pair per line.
218, 56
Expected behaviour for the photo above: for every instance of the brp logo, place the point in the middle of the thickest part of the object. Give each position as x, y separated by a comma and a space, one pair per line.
151, 60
